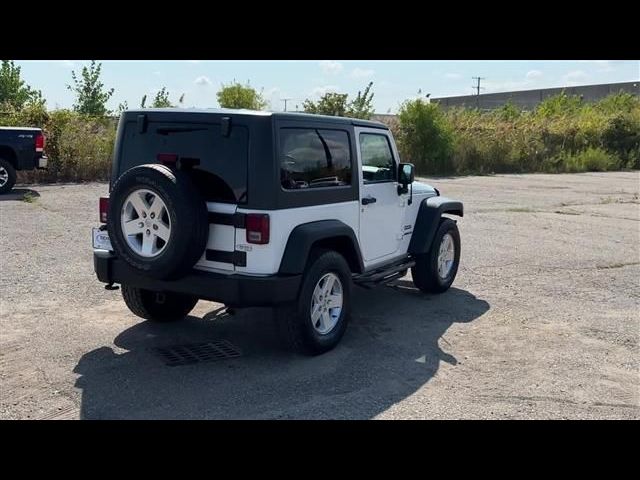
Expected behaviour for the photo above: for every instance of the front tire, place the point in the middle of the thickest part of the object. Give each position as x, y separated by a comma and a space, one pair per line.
158, 306
7, 176
435, 270
318, 320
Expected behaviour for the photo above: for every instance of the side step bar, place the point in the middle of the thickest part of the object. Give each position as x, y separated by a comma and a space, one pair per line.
383, 275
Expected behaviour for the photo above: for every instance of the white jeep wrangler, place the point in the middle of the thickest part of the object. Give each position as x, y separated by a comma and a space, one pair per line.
266, 209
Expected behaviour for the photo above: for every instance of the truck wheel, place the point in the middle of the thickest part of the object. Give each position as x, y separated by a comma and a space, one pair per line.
157, 221
158, 306
7, 176
435, 270
317, 322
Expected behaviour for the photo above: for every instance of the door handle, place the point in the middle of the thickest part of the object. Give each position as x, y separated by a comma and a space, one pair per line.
368, 200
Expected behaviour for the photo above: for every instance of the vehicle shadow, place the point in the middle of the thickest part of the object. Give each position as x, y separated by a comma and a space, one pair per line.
19, 194
390, 350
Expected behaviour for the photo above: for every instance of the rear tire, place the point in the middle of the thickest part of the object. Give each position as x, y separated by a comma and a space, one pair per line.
426, 274
158, 306
7, 176
309, 332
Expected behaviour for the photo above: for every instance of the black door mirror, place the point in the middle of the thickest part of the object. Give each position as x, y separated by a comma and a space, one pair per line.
405, 176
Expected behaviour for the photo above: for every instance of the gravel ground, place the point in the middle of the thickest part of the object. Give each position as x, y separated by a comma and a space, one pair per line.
543, 321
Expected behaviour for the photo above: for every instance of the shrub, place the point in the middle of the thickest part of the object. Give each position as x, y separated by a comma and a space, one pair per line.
590, 160
562, 135
425, 136
79, 147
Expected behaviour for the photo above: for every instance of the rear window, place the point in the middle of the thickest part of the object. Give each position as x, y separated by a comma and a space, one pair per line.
224, 159
314, 158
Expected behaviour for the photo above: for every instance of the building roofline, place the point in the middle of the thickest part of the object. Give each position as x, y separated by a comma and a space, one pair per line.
635, 83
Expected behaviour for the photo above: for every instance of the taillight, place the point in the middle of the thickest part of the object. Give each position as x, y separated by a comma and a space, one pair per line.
40, 142
257, 225
167, 158
104, 208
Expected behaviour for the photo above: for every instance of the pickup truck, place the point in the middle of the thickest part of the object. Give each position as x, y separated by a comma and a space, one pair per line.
21, 148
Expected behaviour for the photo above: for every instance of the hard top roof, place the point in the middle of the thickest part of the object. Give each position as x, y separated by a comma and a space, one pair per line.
261, 113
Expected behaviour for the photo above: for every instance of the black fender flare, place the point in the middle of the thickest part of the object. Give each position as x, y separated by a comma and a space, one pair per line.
302, 238
428, 220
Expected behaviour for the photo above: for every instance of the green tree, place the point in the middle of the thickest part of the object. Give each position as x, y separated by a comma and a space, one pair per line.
122, 107
362, 105
14, 92
329, 104
425, 137
236, 95
91, 96
161, 99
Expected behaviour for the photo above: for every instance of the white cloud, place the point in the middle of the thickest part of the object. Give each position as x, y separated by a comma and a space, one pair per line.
533, 74
575, 77
202, 80
194, 61
319, 91
453, 76
331, 67
361, 73
157, 73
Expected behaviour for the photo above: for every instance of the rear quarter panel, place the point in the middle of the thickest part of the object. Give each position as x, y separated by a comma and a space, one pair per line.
265, 259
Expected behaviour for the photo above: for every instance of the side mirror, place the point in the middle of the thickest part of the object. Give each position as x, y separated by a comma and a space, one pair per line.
405, 177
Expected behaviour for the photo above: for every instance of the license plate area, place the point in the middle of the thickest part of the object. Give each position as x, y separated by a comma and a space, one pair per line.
101, 239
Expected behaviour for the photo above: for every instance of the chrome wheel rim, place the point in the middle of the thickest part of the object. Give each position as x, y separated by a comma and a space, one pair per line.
446, 256
145, 222
326, 303
4, 176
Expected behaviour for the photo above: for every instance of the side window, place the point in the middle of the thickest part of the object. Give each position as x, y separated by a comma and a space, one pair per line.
377, 159
313, 158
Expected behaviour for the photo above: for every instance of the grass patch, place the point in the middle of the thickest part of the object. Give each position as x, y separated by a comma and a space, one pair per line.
29, 198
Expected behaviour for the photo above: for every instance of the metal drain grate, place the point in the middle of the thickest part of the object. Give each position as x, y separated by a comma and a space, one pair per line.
198, 352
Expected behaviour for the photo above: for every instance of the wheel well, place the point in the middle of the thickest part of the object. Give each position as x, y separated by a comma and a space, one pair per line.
8, 154
454, 211
344, 246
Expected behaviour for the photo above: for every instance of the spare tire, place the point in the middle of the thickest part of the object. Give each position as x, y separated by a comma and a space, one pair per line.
157, 221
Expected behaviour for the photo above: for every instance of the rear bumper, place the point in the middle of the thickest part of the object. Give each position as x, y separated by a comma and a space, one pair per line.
42, 162
234, 290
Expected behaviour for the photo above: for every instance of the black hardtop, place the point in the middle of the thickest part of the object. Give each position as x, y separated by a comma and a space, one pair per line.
183, 114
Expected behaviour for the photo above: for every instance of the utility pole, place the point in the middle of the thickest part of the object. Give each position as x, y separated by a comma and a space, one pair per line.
478, 88
285, 102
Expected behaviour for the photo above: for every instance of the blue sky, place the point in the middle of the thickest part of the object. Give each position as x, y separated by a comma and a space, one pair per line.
394, 81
